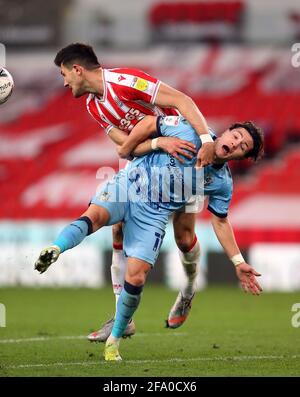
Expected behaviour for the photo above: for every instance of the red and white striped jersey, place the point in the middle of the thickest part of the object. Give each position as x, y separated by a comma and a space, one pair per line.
129, 95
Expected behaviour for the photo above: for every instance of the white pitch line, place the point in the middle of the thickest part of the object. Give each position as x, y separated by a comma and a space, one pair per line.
73, 337
170, 360
40, 339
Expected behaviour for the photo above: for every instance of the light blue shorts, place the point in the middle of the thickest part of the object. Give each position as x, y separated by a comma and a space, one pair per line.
143, 227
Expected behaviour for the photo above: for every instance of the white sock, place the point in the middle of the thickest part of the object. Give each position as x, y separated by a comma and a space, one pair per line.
118, 270
190, 262
117, 296
112, 339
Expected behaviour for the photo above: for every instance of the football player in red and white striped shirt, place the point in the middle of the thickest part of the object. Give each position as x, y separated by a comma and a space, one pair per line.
120, 98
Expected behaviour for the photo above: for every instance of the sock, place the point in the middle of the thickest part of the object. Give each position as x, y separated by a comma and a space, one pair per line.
118, 270
112, 339
189, 260
128, 302
74, 233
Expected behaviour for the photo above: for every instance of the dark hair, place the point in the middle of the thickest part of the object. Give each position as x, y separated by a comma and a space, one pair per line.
257, 135
82, 54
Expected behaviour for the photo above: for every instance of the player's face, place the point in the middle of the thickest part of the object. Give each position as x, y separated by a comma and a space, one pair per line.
73, 79
234, 144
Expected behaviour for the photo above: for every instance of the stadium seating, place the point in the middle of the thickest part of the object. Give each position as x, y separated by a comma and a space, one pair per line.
220, 20
204, 11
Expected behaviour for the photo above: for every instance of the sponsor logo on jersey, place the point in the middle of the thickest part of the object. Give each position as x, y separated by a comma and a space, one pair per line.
120, 78
140, 84
172, 120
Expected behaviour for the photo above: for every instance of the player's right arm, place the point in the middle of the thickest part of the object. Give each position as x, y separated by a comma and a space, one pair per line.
139, 86
170, 97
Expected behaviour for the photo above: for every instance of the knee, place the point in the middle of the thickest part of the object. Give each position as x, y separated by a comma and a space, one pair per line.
97, 216
184, 240
137, 279
117, 232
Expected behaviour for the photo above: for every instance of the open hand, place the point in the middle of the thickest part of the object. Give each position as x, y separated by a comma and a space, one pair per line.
247, 276
175, 146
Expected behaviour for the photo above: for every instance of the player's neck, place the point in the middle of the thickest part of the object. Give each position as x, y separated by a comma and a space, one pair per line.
217, 160
94, 82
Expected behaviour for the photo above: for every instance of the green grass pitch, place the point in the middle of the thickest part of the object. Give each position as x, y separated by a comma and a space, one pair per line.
228, 333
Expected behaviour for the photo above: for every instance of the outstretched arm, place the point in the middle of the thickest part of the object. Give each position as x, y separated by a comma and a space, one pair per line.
245, 273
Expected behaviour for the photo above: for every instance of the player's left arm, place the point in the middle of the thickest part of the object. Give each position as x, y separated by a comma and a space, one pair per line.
245, 273
140, 133
171, 145
137, 143
170, 97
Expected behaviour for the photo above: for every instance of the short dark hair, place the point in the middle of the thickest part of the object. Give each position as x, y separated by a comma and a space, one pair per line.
257, 135
82, 54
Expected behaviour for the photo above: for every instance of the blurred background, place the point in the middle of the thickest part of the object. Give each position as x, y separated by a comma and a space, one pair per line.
234, 58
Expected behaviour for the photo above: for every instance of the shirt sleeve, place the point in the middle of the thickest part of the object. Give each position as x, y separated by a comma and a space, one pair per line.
133, 85
218, 203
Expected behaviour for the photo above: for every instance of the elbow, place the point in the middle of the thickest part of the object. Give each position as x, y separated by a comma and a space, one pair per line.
187, 100
183, 102
123, 153
149, 124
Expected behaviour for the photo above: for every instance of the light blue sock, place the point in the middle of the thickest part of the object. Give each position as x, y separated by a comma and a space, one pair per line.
74, 233
127, 304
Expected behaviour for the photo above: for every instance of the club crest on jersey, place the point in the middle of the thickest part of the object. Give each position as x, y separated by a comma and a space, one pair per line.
139, 84
104, 196
208, 180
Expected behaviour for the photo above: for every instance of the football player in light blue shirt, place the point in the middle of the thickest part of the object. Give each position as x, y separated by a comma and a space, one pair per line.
147, 191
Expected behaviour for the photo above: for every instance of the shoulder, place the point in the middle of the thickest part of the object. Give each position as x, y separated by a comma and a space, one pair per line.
228, 182
223, 179
120, 75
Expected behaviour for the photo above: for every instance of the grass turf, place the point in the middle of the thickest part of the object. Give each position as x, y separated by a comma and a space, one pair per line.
228, 333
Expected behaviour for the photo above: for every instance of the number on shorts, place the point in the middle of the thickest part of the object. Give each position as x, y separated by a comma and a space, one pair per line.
158, 241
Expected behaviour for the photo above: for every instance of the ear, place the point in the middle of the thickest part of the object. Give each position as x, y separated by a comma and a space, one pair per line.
78, 69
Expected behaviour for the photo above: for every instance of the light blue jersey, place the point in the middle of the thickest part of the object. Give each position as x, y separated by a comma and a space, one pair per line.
150, 188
